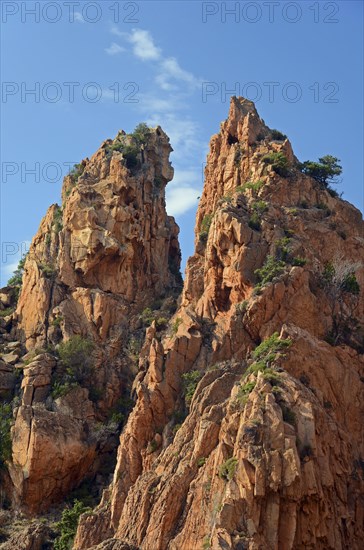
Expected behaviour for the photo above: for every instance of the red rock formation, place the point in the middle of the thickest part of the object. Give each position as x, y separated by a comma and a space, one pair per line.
93, 266
269, 453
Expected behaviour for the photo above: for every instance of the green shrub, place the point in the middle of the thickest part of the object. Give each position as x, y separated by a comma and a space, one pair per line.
121, 410
161, 322
259, 207
56, 322
299, 261
277, 135
147, 317
76, 172
254, 222
47, 270
282, 248
241, 308
189, 382
6, 415
205, 227
254, 186
59, 388
244, 392
77, 364
350, 284
130, 154
141, 133
201, 462
271, 345
7, 311
228, 468
278, 161
272, 268
17, 278
68, 525
265, 355
226, 198
325, 171
176, 325
58, 220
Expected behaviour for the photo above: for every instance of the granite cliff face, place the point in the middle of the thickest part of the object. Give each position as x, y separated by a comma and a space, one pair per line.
95, 264
246, 424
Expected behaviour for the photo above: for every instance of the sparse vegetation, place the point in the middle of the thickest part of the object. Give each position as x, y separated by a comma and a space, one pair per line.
265, 355
5, 438
76, 172
7, 311
325, 171
77, 364
277, 135
271, 269
68, 525
58, 220
176, 324
298, 261
47, 270
269, 346
201, 462
205, 227
228, 468
253, 186
241, 308
244, 392
254, 222
17, 278
278, 161
342, 289
282, 248
190, 381
141, 133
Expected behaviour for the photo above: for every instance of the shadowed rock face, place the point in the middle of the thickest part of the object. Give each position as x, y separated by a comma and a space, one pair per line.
93, 267
267, 457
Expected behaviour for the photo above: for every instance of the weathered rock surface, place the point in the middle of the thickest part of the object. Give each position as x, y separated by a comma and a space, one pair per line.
266, 458
93, 267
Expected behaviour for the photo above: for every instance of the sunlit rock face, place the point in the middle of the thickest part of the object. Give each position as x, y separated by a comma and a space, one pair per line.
224, 448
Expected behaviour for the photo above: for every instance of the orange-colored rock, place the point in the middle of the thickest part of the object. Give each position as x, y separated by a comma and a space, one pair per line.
272, 461
93, 266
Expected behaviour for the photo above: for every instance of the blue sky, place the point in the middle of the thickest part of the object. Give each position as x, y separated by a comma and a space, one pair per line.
174, 64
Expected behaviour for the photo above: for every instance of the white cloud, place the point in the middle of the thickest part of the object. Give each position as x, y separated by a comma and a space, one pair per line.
167, 104
180, 199
143, 45
182, 131
115, 30
114, 49
171, 70
79, 17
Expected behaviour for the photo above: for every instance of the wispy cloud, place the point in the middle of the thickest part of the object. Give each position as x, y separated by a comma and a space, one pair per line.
79, 17
143, 45
114, 49
180, 199
172, 71
167, 103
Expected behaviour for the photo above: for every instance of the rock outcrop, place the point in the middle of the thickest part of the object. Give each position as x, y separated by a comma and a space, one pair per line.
246, 429
94, 266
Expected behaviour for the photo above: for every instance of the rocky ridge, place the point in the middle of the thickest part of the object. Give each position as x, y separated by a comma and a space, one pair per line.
246, 428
